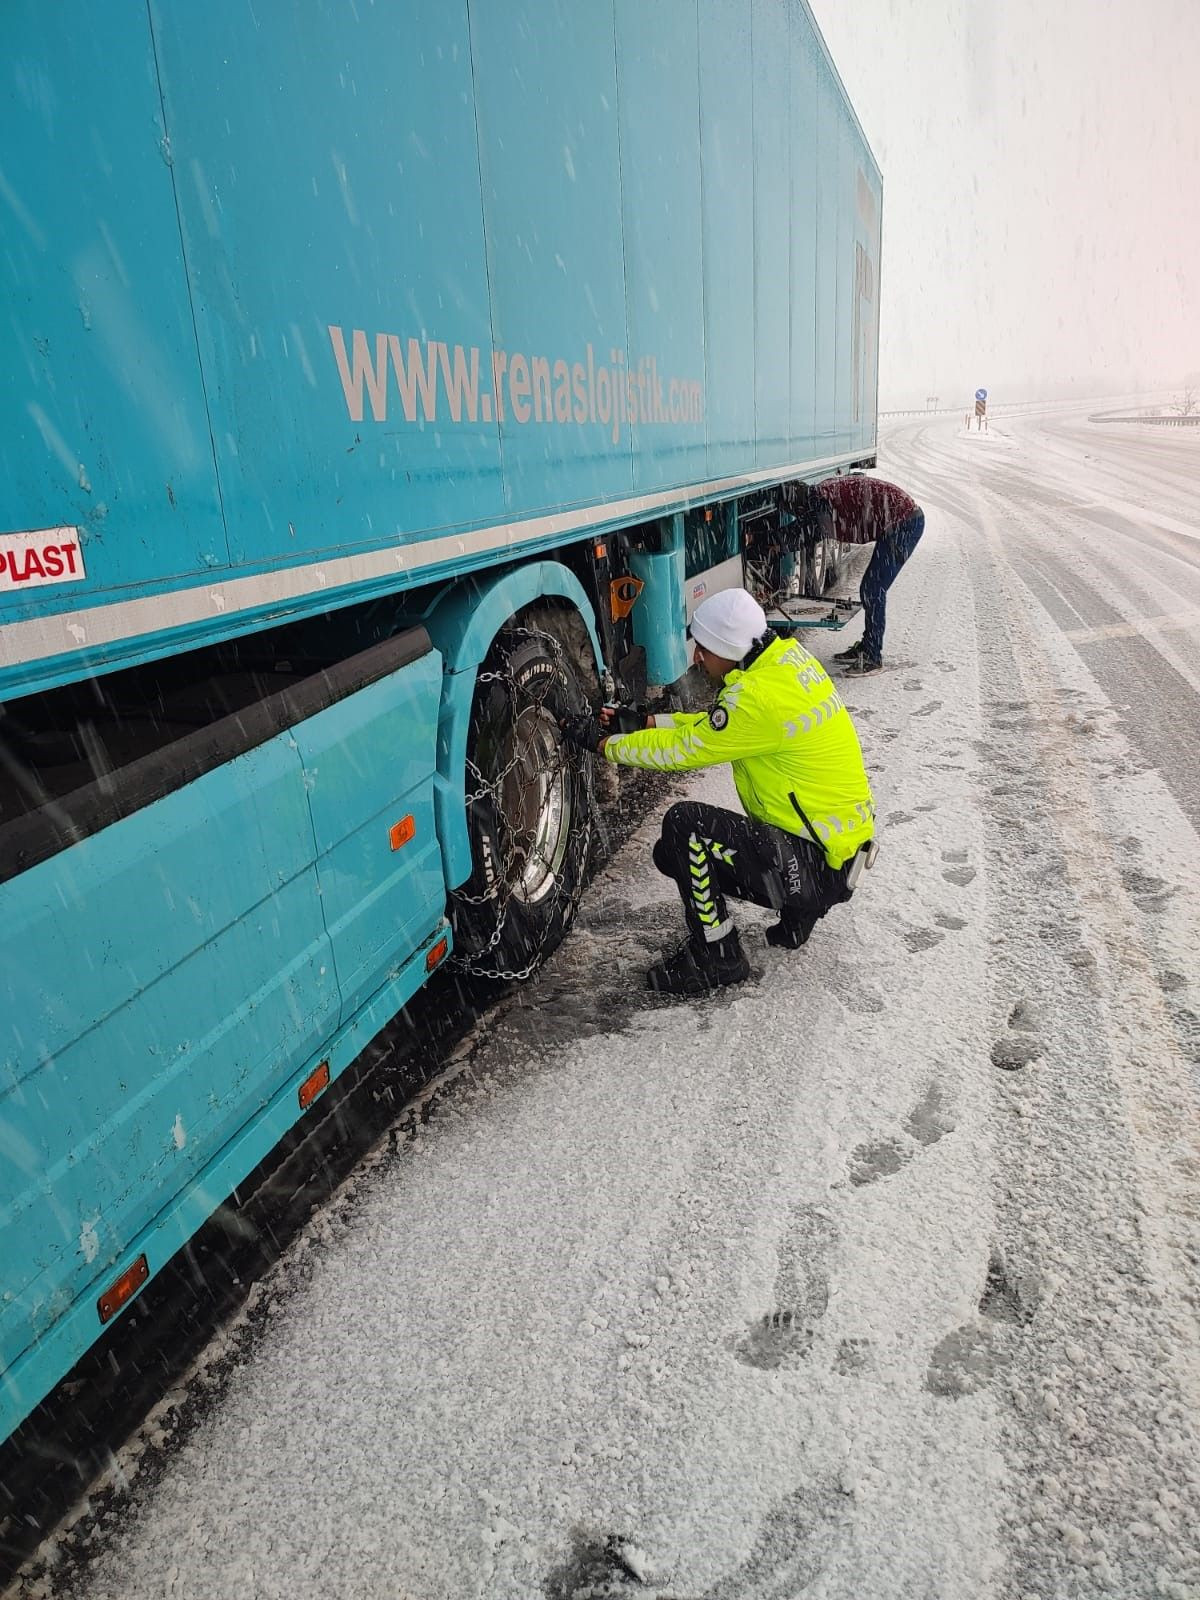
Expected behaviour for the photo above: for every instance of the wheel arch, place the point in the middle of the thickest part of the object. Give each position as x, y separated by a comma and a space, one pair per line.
463, 625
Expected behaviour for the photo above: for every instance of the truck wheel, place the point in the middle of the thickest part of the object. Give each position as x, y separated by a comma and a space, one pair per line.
834, 555
814, 569
529, 803
821, 567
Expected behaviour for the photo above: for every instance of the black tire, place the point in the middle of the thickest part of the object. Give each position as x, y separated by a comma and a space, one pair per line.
814, 569
834, 557
821, 567
529, 803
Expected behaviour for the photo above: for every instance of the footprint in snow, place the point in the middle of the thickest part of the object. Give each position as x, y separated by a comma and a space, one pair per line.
1010, 1054
1025, 1017
972, 1354
853, 1358
801, 1295
864, 1002
595, 1566
952, 924
1022, 1045
965, 1361
777, 1336
929, 709
929, 1120
923, 939
869, 1162
1149, 893
792, 1547
961, 876
1007, 1296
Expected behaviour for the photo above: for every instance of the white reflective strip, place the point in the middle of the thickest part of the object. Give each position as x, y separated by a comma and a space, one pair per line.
721, 931
91, 627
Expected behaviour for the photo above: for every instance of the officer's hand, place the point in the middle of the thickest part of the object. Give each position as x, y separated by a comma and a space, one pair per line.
582, 731
624, 719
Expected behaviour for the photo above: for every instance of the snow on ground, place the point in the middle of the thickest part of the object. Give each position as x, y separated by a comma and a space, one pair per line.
876, 1278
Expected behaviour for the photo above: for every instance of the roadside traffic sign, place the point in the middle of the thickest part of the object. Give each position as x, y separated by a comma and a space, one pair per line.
981, 394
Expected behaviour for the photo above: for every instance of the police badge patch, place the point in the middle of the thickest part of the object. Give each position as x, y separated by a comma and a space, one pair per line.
718, 717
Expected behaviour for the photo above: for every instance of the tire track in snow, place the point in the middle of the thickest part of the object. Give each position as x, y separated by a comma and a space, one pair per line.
1105, 1388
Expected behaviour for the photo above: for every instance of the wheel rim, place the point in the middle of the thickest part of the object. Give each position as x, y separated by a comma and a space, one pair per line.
535, 796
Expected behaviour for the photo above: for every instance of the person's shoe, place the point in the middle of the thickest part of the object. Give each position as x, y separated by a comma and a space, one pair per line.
866, 664
855, 650
698, 967
791, 931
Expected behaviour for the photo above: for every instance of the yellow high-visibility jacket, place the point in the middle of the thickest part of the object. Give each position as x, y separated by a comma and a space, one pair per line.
782, 726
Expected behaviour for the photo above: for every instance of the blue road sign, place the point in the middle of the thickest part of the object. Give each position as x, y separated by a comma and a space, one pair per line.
981, 394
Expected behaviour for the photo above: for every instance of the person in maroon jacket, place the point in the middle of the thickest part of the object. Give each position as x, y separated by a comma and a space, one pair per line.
861, 510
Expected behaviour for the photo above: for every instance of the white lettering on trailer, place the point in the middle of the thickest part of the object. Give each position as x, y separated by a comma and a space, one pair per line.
537, 388
40, 556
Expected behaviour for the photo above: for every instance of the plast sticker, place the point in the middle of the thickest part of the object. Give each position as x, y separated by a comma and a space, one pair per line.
40, 556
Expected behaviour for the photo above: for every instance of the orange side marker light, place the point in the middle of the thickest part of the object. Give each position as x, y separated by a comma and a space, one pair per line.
437, 953
401, 832
314, 1084
123, 1290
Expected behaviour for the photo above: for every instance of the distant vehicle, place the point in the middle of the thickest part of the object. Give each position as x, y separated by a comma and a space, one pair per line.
381, 382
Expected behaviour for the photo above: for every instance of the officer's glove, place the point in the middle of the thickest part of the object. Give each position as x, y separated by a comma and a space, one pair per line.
582, 731
624, 719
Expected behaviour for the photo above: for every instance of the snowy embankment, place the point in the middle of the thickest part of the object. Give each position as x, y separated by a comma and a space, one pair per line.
870, 1279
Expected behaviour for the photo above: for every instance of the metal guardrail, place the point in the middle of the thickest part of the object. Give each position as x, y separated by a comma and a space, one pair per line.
1192, 421
1007, 407
1002, 407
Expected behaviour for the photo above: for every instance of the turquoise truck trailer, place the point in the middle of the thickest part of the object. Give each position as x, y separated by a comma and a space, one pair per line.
380, 383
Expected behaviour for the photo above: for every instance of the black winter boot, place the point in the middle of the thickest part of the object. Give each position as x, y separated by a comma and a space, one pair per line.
698, 967
792, 930
855, 650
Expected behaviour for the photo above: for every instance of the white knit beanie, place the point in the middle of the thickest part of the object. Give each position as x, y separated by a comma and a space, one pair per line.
728, 623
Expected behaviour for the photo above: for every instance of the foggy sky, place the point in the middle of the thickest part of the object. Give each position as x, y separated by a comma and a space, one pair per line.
1041, 172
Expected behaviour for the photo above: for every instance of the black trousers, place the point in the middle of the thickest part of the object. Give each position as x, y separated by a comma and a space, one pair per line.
712, 853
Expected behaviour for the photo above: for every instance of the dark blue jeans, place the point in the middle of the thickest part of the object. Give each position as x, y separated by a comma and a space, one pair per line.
891, 552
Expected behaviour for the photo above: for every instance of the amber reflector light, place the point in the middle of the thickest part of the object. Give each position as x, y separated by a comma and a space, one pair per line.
123, 1290
401, 832
312, 1086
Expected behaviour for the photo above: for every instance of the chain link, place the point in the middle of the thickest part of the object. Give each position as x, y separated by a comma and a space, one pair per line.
519, 845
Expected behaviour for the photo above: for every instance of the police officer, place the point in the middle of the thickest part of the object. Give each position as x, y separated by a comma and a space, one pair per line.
799, 772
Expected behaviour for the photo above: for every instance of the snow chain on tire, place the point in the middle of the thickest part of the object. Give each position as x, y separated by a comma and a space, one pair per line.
524, 687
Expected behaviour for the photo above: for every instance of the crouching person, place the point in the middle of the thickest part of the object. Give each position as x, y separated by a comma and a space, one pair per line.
798, 768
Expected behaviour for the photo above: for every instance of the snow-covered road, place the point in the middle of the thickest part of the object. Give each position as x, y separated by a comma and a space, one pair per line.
875, 1280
